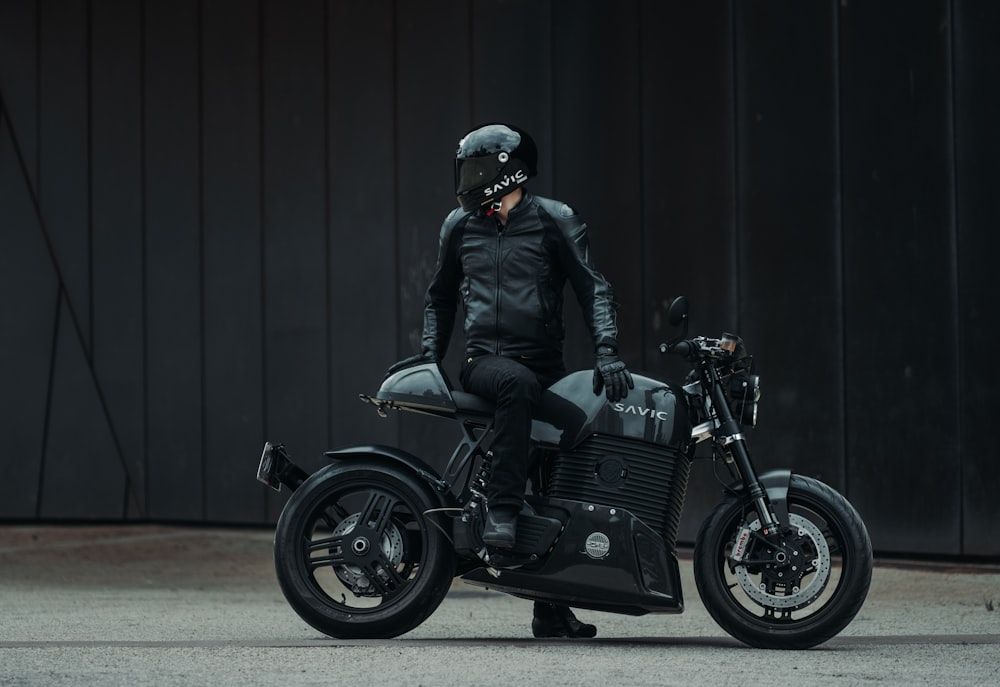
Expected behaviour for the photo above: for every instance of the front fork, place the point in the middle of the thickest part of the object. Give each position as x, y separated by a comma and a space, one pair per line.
729, 437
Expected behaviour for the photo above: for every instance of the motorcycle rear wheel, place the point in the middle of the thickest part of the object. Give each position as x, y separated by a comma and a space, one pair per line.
785, 597
356, 556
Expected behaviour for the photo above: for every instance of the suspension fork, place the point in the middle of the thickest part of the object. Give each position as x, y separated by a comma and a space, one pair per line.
729, 434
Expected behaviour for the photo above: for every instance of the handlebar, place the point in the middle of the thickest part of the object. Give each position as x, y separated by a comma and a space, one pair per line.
702, 347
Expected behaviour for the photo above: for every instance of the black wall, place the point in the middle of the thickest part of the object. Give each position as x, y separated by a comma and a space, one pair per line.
218, 217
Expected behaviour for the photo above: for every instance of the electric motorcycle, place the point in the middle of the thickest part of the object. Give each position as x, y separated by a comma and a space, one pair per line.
368, 546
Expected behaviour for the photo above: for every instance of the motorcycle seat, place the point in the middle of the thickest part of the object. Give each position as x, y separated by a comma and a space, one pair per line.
472, 404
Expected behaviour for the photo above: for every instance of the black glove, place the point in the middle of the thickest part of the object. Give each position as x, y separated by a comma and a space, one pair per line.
418, 359
611, 375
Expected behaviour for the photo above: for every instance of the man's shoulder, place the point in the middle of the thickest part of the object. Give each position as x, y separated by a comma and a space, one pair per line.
456, 219
561, 217
556, 208
457, 215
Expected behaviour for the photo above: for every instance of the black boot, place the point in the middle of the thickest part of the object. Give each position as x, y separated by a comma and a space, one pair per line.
501, 527
558, 621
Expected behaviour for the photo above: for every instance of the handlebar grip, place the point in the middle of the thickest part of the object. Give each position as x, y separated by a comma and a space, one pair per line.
681, 348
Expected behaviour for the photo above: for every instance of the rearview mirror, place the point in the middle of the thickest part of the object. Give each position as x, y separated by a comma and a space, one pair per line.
678, 312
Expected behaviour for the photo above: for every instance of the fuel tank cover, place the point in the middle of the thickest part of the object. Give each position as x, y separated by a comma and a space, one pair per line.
654, 412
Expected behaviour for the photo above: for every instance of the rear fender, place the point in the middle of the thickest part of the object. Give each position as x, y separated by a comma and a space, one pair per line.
392, 456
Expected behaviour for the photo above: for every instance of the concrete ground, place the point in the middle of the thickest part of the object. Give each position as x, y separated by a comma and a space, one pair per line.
160, 605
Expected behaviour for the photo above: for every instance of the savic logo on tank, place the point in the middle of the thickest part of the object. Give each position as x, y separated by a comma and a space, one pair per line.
639, 410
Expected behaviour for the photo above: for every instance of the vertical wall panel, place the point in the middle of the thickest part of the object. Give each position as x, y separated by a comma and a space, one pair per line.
294, 213
19, 76
63, 181
789, 233
687, 166
116, 236
80, 448
977, 111
596, 49
230, 159
362, 268
28, 310
25, 350
902, 438
687, 189
173, 261
80, 439
619, 236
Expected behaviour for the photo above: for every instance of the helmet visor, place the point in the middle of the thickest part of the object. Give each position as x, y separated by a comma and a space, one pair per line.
476, 172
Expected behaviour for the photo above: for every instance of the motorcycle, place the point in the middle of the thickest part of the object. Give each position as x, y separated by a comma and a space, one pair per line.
368, 546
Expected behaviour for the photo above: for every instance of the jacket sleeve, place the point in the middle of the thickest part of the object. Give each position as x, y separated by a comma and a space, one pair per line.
594, 293
441, 299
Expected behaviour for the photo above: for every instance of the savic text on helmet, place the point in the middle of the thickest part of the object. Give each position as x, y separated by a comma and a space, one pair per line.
492, 160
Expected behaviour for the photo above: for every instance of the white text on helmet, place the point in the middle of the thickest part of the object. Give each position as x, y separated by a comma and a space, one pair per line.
519, 178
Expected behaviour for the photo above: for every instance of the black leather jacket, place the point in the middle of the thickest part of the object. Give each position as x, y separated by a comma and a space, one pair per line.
511, 283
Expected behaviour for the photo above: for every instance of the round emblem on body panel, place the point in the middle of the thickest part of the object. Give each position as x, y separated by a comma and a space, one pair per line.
597, 545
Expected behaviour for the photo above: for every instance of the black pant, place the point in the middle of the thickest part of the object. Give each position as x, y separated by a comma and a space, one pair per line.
516, 390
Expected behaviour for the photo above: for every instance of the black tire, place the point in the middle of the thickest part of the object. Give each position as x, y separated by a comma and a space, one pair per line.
330, 571
765, 600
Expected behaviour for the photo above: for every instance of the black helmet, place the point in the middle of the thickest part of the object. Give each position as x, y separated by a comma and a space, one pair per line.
492, 160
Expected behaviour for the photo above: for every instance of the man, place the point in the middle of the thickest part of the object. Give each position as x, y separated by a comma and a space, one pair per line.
508, 254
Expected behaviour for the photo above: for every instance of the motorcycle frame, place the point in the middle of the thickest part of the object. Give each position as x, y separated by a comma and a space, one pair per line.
454, 493
768, 492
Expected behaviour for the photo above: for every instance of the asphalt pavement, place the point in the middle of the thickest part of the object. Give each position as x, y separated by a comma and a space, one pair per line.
164, 605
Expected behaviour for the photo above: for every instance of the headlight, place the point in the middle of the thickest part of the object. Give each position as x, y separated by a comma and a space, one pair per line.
744, 393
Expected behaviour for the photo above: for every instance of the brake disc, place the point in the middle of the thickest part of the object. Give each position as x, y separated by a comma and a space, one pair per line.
767, 588
352, 575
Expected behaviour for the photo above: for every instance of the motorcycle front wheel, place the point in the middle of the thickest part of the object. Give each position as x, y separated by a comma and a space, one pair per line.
788, 591
357, 555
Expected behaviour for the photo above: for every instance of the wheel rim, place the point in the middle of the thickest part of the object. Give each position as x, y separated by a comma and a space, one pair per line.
363, 547
797, 577
354, 576
791, 581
